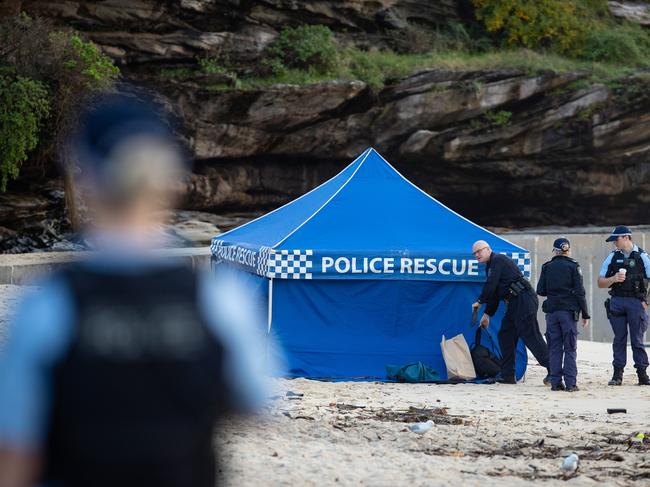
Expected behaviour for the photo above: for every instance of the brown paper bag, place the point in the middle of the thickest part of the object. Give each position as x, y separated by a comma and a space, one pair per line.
458, 358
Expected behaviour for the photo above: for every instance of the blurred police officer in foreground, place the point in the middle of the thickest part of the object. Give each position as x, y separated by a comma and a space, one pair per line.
506, 282
625, 272
117, 370
561, 282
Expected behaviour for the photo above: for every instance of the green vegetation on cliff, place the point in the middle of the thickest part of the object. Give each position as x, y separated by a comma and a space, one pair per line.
23, 106
46, 75
532, 35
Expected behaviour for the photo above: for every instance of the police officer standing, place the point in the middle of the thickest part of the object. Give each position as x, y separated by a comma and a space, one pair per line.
625, 272
506, 282
561, 282
118, 369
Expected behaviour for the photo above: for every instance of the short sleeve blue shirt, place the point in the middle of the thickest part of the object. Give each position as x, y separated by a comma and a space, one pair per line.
42, 329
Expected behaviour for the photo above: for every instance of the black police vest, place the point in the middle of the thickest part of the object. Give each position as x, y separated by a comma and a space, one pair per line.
137, 395
635, 284
559, 276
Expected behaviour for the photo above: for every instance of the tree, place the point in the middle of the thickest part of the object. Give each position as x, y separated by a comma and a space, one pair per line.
54, 73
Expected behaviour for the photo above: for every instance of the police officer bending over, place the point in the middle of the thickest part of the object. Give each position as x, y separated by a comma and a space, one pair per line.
561, 282
626, 272
506, 282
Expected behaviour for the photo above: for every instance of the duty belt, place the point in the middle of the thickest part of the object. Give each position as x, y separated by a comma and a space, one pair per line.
517, 287
626, 294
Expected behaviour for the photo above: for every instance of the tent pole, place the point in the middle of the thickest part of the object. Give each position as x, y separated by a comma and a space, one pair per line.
270, 316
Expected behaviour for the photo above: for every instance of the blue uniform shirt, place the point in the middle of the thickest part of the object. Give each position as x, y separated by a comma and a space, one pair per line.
644, 257
42, 329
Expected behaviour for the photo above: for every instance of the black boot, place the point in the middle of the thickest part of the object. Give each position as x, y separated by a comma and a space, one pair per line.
617, 378
644, 380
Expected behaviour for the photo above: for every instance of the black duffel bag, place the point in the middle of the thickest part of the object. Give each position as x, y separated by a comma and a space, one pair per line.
486, 363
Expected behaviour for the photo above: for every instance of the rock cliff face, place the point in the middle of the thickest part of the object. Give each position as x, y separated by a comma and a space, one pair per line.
141, 34
503, 147
563, 156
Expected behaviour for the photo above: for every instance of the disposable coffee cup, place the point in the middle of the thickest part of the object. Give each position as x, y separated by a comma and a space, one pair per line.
622, 271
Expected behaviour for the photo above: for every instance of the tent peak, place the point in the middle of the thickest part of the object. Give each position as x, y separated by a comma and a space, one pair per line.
372, 151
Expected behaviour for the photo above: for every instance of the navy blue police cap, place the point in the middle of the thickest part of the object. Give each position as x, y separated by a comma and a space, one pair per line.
561, 244
114, 119
619, 231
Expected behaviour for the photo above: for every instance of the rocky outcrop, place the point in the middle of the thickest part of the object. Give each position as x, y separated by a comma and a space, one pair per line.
141, 35
638, 12
500, 146
503, 147
33, 217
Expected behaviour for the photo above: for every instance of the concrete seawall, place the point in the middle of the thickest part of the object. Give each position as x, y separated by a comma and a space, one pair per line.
21, 269
589, 249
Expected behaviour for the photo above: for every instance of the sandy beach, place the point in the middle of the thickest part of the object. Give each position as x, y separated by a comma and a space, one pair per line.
355, 433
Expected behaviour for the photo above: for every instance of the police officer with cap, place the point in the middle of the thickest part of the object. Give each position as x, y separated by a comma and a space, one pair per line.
561, 282
506, 282
626, 272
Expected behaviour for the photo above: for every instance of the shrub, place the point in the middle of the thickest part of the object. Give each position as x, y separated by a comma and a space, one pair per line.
500, 118
71, 69
374, 68
366, 68
34, 48
307, 47
211, 65
626, 44
559, 25
23, 106
87, 61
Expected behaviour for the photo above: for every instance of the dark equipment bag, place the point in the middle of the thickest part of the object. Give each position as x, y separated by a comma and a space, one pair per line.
486, 363
417, 372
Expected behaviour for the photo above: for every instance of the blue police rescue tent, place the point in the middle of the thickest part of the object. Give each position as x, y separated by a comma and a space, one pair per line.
363, 271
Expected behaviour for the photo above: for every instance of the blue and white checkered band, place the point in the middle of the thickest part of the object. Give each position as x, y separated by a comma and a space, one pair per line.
522, 259
289, 264
263, 260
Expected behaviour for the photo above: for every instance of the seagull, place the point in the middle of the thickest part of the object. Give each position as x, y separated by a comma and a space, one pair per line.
570, 464
421, 428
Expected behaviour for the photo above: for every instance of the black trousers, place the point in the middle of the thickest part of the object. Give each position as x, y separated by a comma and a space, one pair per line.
520, 321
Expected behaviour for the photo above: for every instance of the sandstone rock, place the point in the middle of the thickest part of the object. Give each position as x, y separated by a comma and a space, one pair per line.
502, 146
435, 126
194, 228
148, 31
638, 12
